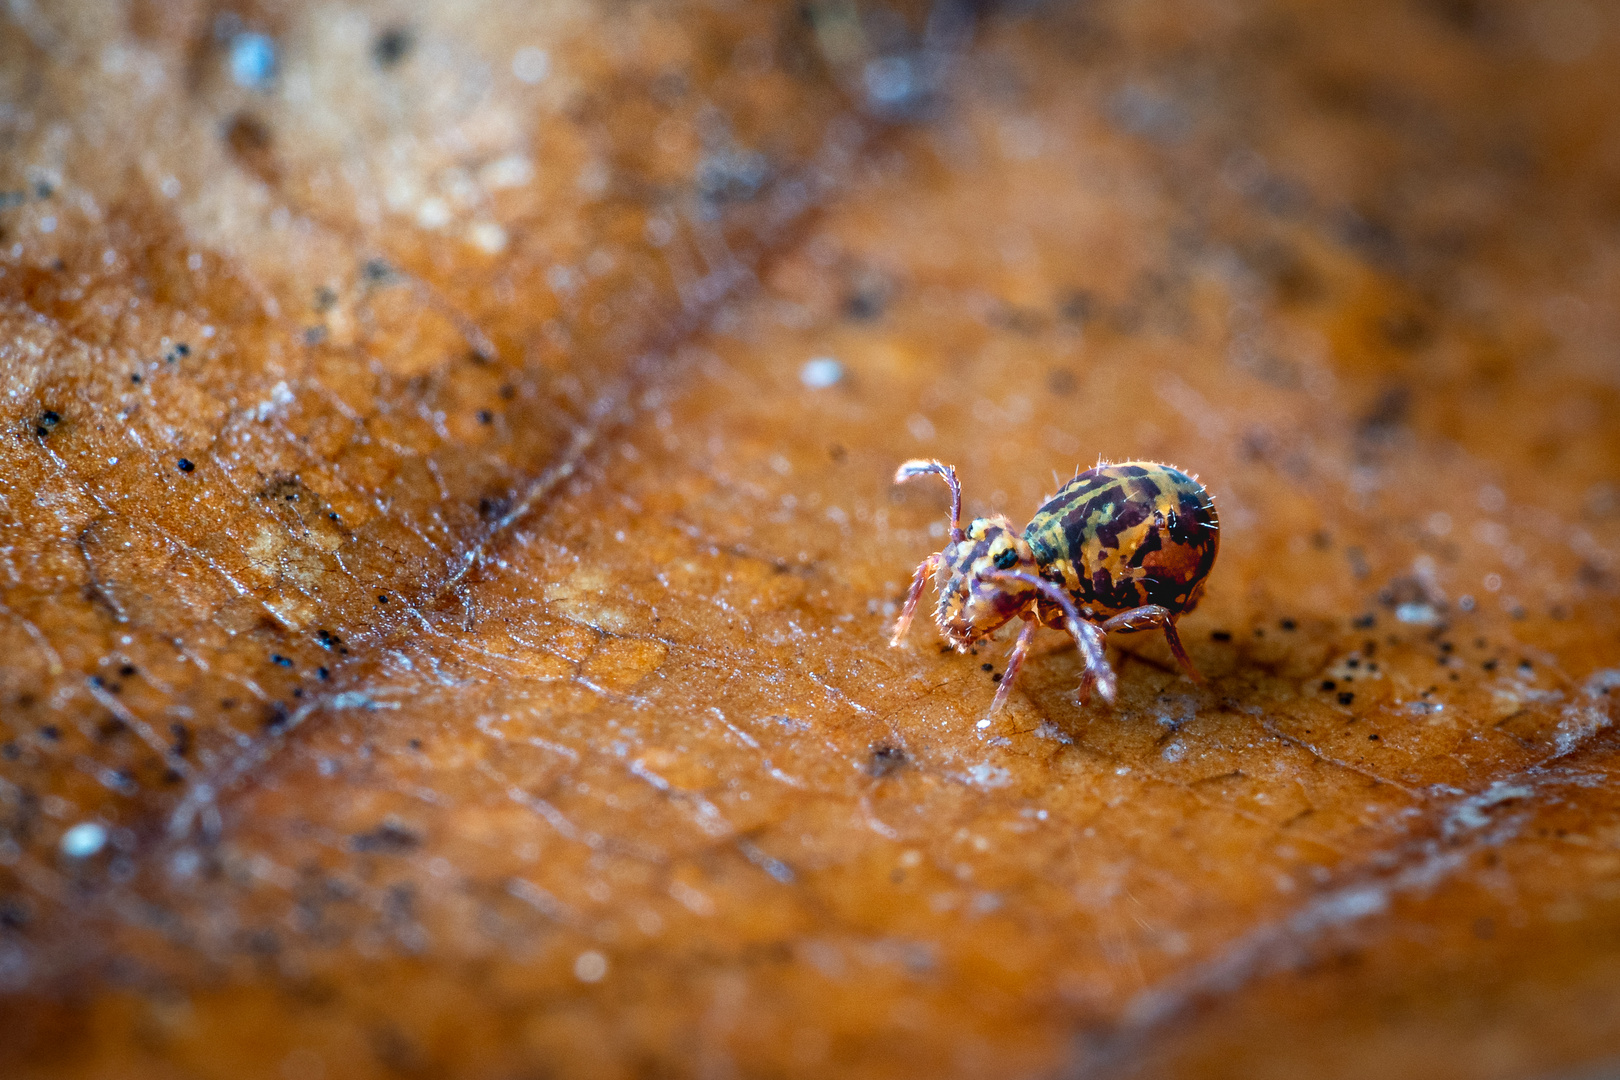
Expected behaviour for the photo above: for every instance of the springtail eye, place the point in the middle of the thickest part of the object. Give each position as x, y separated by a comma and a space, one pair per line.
1006, 559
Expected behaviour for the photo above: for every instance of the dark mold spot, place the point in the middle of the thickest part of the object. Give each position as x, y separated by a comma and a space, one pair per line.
184, 465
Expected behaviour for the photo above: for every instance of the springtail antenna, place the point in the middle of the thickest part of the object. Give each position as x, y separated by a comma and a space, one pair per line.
919, 467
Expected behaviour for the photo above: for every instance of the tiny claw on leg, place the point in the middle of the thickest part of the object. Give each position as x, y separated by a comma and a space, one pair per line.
1149, 616
1174, 639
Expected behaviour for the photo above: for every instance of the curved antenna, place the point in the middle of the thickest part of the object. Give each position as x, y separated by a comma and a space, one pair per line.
920, 467
1087, 637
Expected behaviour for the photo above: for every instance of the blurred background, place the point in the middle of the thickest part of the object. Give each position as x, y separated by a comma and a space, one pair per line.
448, 551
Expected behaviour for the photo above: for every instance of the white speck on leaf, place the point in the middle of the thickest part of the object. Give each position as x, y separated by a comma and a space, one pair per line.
821, 372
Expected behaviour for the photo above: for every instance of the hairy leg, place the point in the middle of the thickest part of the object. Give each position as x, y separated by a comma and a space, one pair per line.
1087, 637
1089, 640
1014, 662
1145, 618
903, 623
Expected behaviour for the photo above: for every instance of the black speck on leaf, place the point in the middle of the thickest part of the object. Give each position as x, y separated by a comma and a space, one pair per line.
392, 46
387, 838
184, 465
1220, 635
1346, 697
885, 760
282, 661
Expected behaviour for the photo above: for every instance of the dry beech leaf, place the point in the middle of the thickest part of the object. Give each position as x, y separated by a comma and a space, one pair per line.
449, 547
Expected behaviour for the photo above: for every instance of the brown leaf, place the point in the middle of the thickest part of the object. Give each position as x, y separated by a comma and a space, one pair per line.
449, 547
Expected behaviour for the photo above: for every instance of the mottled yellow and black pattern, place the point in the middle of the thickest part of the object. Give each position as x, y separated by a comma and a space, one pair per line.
1120, 548
974, 601
1125, 536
